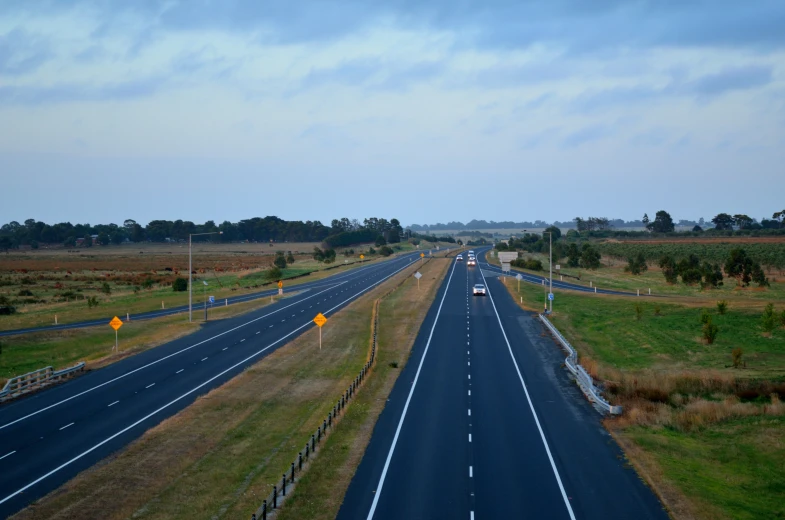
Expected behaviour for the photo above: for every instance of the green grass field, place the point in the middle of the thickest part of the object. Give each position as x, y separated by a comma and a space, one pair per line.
731, 470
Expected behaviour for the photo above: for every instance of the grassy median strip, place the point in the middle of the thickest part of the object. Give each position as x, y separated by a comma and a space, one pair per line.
220, 456
320, 492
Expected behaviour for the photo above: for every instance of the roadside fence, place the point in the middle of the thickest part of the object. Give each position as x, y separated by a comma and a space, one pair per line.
278, 494
585, 381
36, 379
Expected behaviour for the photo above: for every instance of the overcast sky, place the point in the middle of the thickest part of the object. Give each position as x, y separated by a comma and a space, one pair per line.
424, 111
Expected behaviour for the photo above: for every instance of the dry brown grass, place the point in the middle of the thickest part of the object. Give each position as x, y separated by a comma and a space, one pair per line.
218, 457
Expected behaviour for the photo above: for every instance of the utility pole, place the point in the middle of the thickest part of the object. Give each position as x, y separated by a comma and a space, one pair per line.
190, 271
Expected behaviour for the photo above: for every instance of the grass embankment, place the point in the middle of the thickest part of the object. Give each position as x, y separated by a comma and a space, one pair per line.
707, 436
63, 348
220, 456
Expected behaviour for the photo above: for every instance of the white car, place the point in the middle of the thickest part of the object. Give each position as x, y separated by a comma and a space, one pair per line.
471, 261
471, 253
479, 289
459, 258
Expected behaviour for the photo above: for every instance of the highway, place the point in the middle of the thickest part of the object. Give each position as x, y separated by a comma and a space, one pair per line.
197, 308
50, 436
484, 423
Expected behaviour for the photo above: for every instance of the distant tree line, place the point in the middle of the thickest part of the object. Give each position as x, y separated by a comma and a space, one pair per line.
343, 232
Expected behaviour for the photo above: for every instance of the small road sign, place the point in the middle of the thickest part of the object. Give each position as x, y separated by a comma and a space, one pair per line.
362, 257
211, 299
116, 323
320, 319
422, 255
550, 296
518, 277
418, 275
558, 267
280, 284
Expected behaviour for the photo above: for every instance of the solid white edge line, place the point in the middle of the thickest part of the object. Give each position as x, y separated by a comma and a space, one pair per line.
531, 406
179, 371
112, 404
170, 403
154, 362
150, 385
408, 399
66, 426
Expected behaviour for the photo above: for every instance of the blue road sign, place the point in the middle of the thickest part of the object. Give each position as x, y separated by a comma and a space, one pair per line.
211, 299
550, 296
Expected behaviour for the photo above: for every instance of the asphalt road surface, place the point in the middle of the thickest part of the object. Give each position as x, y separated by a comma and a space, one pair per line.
49, 437
484, 423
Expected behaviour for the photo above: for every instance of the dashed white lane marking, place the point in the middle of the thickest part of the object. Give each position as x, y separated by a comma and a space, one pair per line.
204, 359
471, 514
470, 412
283, 321
66, 426
150, 385
7, 455
259, 332
469, 363
224, 349
471, 473
179, 371
470, 376
112, 404
470, 392
470, 437
242, 340
270, 327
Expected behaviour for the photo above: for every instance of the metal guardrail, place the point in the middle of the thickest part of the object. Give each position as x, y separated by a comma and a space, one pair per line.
583, 378
20, 385
271, 503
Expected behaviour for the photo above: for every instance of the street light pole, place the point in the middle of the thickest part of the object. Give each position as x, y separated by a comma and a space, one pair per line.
550, 266
190, 271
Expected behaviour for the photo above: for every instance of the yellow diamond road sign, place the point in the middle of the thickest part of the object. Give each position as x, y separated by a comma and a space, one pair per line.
280, 284
422, 255
320, 319
362, 256
116, 323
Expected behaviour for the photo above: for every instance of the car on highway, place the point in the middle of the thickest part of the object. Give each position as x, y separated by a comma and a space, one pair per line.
471, 252
459, 258
471, 261
479, 289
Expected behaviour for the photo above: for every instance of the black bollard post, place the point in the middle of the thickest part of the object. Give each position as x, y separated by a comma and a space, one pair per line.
307, 450
330, 418
264, 509
324, 426
283, 484
318, 434
301, 461
292, 472
275, 496
313, 443
253, 516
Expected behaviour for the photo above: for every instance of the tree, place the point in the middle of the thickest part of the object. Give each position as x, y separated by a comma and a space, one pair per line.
274, 274
380, 241
710, 331
590, 257
87, 241
669, 270
743, 221
723, 221
744, 269
289, 258
180, 284
645, 220
663, 223
386, 251
712, 275
697, 229
103, 239
573, 256
280, 260
769, 318
556, 232
105, 288
636, 265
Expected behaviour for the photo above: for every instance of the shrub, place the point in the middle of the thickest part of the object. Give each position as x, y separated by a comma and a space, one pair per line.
386, 251
691, 276
705, 316
782, 318
636, 264
147, 283
710, 331
657, 310
280, 261
92, 301
290, 258
638, 311
380, 241
105, 288
769, 318
179, 285
736, 356
274, 273
722, 306
371, 251
25, 292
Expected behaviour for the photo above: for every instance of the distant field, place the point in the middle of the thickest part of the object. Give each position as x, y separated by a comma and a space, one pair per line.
768, 253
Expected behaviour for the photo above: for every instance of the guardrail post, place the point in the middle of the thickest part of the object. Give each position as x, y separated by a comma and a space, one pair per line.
283, 485
275, 496
264, 509
318, 433
292, 472
313, 443
330, 417
307, 450
324, 426
300, 463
